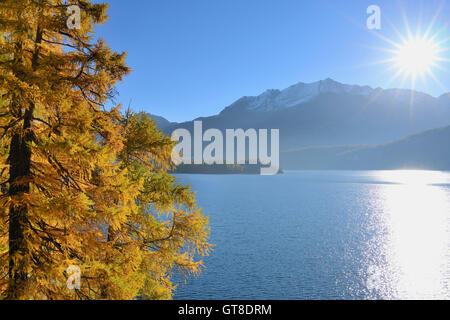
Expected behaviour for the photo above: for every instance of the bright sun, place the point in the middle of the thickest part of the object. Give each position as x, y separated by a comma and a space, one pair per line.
416, 56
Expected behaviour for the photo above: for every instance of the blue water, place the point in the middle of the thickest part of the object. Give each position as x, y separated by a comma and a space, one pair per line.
325, 235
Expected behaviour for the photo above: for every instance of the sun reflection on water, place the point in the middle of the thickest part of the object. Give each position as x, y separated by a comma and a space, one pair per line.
414, 246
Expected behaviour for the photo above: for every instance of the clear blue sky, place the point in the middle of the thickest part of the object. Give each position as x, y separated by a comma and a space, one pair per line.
192, 58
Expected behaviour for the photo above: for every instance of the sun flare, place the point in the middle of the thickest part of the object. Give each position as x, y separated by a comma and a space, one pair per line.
417, 56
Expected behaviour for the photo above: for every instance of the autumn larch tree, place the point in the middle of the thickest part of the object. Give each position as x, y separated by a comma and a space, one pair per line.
83, 184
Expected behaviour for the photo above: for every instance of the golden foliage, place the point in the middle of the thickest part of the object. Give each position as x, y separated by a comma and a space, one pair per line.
90, 186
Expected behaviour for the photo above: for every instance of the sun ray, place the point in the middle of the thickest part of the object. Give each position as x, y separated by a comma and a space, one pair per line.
386, 39
396, 30
441, 68
390, 81
442, 60
433, 20
440, 43
438, 82
388, 50
412, 92
419, 23
406, 22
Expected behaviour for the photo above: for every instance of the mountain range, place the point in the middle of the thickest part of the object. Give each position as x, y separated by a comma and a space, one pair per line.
331, 125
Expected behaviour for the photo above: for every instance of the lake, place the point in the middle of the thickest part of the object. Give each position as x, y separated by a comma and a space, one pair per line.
325, 235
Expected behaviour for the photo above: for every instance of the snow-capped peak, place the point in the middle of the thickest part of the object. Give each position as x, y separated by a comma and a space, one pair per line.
302, 92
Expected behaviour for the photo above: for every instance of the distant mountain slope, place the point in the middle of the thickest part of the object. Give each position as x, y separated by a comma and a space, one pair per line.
330, 113
161, 122
427, 150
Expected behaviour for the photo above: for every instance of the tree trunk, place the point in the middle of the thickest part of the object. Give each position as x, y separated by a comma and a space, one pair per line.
20, 167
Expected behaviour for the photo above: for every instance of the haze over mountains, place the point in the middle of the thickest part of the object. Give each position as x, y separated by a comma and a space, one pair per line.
321, 120
428, 150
